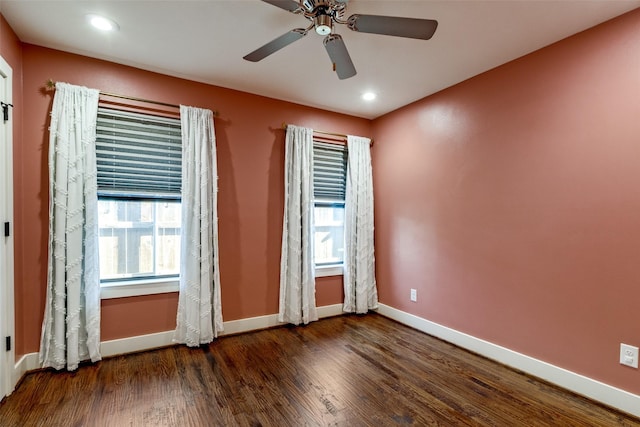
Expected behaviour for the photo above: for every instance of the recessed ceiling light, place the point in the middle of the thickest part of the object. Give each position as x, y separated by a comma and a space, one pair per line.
368, 96
102, 23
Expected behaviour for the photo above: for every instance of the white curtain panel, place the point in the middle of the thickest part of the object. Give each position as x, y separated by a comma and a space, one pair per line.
199, 318
297, 268
71, 325
360, 292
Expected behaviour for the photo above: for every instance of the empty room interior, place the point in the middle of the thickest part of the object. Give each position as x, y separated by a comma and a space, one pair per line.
378, 212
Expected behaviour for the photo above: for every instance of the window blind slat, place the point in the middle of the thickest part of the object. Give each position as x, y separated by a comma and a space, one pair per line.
142, 141
329, 171
138, 154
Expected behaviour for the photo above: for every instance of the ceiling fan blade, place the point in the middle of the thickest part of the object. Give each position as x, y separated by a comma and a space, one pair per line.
413, 28
339, 56
288, 5
276, 44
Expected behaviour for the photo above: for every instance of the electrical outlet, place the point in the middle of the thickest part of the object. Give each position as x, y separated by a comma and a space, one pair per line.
629, 355
414, 295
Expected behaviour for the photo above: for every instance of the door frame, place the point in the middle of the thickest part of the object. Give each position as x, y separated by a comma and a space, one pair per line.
7, 319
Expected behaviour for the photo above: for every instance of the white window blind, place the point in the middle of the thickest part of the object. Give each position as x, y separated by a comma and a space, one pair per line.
139, 156
329, 171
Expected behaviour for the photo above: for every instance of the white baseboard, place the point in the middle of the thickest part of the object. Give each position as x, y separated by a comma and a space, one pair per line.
135, 344
596, 390
271, 320
29, 362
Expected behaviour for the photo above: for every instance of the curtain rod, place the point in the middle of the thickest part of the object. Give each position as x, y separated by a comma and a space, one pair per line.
52, 85
339, 135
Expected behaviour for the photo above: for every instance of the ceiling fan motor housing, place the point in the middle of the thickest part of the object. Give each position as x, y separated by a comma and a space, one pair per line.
312, 4
333, 9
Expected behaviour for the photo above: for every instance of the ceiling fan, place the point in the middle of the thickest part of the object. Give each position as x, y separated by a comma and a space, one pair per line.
324, 14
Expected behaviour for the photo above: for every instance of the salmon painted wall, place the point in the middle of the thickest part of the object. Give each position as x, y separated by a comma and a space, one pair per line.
11, 52
250, 144
511, 202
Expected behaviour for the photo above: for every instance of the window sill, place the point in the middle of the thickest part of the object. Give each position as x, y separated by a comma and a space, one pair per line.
330, 270
161, 286
132, 288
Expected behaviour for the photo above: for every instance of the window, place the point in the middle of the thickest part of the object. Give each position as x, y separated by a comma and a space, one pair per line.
329, 188
139, 239
139, 159
329, 233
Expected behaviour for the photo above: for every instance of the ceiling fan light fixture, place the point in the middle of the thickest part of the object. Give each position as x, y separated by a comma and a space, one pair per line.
323, 24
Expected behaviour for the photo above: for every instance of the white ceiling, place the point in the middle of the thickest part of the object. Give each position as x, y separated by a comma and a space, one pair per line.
205, 41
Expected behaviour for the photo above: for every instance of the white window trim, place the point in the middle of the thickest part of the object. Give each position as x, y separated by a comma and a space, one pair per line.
329, 270
132, 288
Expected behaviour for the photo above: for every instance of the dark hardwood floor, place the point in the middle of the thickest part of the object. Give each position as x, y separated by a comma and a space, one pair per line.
344, 371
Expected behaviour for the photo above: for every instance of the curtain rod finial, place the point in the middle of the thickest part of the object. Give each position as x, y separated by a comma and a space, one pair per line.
50, 84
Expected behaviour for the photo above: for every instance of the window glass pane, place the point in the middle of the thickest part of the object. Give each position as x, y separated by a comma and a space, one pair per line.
329, 234
168, 241
145, 255
139, 238
108, 254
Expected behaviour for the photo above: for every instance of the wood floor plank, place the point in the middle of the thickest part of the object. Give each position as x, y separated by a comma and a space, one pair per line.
342, 371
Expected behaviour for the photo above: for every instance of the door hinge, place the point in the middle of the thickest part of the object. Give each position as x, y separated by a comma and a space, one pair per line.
7, 229
5, 110
8, 343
